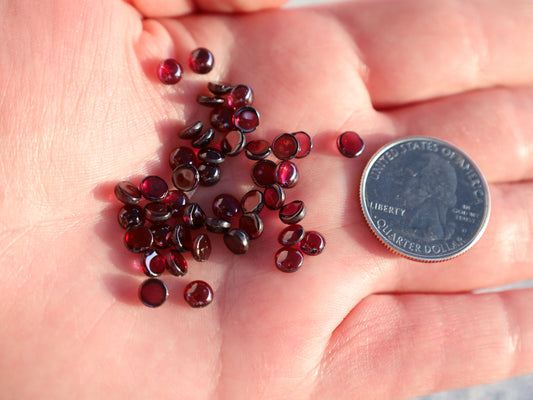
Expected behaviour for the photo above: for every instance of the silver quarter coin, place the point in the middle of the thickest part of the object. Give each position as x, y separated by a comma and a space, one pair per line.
425, 199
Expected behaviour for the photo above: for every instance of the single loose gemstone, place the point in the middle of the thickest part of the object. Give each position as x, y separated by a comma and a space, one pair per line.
201, 61
285, 146
274, 196
219, 89
153, 292
233, 143
138, 239
161, 232
253, 201
153, 263
225, 206
246, 119
350, 144
130, 216
193, 216
157, 212
181, 238
198, 294
192, 131
201, 247
182, 155
237, 241
209, 174
217, 225
175, 201
291, 235
263, 173
292, 212
176, 265
257, 149
286, 174
209, 101
127, 192
252, 224
305, 144
221, 119
313, 243
211, 155
289, 259
240, 96
204, 139
154, 188
169, 71
185, 177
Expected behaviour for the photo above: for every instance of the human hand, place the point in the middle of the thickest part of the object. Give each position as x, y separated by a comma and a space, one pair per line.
81, 108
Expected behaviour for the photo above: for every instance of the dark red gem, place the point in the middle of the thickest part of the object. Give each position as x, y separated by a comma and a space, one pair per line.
289, 259
253, 201
222, 119
154, 188
233, 143
263, 173
127, 192
161, 232
293, 212
274, 196
208, 101
225, 206
209, 174
198, 294
153, 292
157, 212
182, 155
219, 89
291, 235
181, 238
211, 155
305, 144
130, 216
286, 174
257, 149
313, 243
252, 224
193, 216
191, 132
138, 239
246, 119
175, 201
350, 144
201, 247
285, 146
201, 61
169, 71
153, 263
177, 265
240, 96
185, 177
237, 241
217, 225
204, 139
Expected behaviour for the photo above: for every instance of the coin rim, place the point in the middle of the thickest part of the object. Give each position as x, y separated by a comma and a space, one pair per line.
383, 239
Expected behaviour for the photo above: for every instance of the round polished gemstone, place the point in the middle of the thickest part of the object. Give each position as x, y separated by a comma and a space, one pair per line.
209, 174
153, 263
350, 144
181, 238
154, 188
191, 132
198, 294
193, 216
176, 265
305, 144
211, 155
289, 259
237, 241
286, 174
246, 119
252, 224
225, 206
233, 143
293, 212
257, 149
221, 119
240, 96
219, 89
127, 192
313, 243
274, 196
217, 225
169, 71
291, 235
201, 61
138, 239
201, 247
263, 173
204, 139
185, 177
182, 155
130, 216
157, 212
161, 232
209, 101
253, 201
153, 292
175, 201
285, 146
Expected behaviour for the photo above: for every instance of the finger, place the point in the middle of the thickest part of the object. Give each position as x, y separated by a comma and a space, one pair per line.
416, 50
395, 347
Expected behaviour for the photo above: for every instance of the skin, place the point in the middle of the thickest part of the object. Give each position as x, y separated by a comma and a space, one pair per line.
81, 109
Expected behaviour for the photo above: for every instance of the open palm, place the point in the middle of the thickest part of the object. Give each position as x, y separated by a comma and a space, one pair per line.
81, 108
